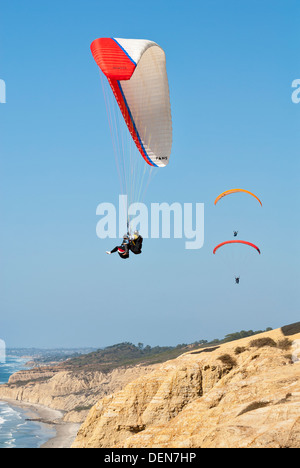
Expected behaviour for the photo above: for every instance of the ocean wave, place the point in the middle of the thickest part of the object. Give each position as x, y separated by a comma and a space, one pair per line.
16, 430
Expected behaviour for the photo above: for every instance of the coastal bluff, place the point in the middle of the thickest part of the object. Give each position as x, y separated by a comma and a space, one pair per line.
241, 394
72, 393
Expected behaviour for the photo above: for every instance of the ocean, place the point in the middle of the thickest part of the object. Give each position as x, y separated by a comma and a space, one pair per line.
15, 431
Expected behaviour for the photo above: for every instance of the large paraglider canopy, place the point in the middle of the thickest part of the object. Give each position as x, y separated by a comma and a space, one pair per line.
136, 72
228, 192
236, 242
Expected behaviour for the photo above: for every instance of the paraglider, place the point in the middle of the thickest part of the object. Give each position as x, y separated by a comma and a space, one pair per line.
248, 244
136, 72
130, 244
235, 233
228, 192
236, 242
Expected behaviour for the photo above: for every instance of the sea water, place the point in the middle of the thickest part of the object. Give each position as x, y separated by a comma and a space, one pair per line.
15, 430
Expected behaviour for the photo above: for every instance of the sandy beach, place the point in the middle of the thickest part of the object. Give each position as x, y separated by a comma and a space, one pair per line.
65, 432
65, 436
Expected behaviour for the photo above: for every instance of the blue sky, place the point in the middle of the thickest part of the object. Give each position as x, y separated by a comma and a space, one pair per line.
230, 66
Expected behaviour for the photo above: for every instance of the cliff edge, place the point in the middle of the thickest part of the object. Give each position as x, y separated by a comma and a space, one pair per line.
242, 394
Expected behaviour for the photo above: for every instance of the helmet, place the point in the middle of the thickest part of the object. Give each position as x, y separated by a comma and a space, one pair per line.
136, 233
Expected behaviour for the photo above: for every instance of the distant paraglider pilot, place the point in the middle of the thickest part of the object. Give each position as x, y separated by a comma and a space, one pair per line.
123, 249
235, 233
237, 280
136, 243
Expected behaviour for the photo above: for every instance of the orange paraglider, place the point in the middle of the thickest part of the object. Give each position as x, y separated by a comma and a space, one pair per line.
228, 192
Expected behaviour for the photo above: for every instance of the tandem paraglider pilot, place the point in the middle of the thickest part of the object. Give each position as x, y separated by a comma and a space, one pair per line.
123, 249
136, 243
130, 243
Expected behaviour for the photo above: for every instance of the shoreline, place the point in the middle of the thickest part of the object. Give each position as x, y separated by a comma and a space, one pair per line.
65, 432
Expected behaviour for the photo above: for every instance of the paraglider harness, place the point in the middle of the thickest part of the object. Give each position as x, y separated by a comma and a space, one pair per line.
135, 240
135, 245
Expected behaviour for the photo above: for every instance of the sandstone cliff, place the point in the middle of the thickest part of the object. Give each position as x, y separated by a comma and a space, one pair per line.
74, 393
241, 394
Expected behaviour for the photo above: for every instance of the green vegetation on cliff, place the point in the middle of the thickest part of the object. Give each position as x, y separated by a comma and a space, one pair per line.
128, 354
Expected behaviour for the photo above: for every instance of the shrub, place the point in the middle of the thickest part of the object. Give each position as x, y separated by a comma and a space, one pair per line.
239, 350
228, 360
261, 342
284, 344
82, 408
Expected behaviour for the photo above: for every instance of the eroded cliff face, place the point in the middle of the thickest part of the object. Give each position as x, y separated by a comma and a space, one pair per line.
74, 393
237, 395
